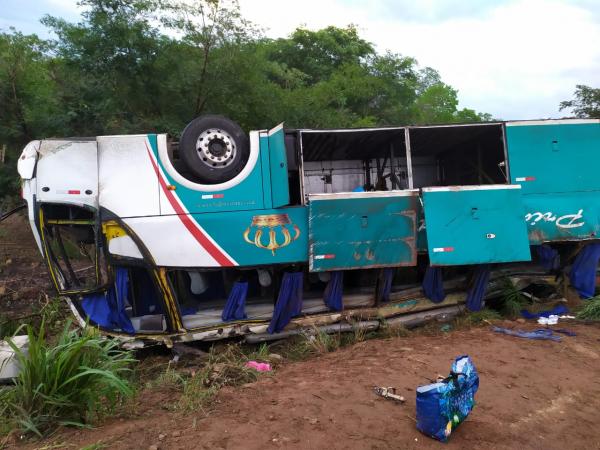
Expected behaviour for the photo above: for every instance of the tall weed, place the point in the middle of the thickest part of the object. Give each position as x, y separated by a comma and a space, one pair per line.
71, 382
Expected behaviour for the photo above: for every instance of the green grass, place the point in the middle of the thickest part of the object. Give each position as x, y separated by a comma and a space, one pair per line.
485, 316
225, 366
590, 309
71, 382
387, 330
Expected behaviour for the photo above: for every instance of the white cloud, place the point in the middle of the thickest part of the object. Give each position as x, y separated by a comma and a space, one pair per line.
65, 5
515, 60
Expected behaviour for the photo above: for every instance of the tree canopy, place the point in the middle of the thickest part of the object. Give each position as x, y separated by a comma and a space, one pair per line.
133, 66
586, 103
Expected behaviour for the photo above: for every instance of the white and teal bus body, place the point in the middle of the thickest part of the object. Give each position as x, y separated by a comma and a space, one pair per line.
352, 200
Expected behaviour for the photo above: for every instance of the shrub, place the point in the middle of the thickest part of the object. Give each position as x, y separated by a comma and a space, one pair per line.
513, 300
69, 383
590, 310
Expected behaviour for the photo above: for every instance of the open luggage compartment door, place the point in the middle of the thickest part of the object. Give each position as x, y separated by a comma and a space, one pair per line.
475, 225
359, 230
280, 190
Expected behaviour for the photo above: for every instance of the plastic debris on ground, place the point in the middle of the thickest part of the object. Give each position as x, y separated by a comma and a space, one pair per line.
443, 406
9, 363
258, 366
550, 320
557, 310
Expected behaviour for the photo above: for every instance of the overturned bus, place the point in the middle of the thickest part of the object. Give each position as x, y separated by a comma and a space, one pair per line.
222, 234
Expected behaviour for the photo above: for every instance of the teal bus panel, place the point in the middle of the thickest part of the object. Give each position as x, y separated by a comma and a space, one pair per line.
360, 230
246, 195
262, 237
563, 216
266, 169
280, 190
550, 156
475, 225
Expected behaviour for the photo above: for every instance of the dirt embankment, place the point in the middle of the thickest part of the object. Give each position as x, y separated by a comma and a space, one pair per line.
533, 394
23, 276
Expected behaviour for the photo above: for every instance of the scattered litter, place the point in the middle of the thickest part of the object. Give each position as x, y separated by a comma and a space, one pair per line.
258, 366
445, 328
557, 310
442, 406
275, 356
388, 392
9, 363
543, 334
550, 320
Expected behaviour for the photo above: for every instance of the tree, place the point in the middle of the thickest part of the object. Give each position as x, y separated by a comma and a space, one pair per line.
105, 67
586, 102
318, 54
207, 26
27, 98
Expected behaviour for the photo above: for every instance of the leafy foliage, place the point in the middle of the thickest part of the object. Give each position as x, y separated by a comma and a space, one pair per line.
131, 66
590, 310
586, 102
67, 383
513, 300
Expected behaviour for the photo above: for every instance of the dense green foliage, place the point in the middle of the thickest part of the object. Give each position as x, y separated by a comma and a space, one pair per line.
590, 310
69, 382
148, 65
586, 103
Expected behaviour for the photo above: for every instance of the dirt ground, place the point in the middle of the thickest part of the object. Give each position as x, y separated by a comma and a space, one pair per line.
533, 394
24, 280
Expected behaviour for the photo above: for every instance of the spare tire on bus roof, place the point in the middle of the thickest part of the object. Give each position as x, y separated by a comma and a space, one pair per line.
214, 148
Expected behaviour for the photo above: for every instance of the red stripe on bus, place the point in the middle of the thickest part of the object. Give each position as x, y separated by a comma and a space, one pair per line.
213, 251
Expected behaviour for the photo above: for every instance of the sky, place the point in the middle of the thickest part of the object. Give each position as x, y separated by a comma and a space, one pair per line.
515, 59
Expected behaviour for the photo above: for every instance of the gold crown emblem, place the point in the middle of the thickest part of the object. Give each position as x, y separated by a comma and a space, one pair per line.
271, 222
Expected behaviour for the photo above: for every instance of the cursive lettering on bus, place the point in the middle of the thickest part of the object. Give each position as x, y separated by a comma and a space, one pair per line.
566, 221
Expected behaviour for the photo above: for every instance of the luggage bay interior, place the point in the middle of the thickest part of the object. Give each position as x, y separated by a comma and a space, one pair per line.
376, 159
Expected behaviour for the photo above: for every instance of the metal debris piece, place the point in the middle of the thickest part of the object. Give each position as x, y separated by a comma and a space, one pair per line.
388, 392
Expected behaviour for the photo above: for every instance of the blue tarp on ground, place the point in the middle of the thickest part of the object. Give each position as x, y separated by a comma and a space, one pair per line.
433, 284
475, 295
583, 272
289, 301
334, 291
542, 334
235, 306
107, 309
557, 310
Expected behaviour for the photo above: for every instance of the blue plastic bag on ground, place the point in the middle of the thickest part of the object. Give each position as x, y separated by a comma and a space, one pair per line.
442, 406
